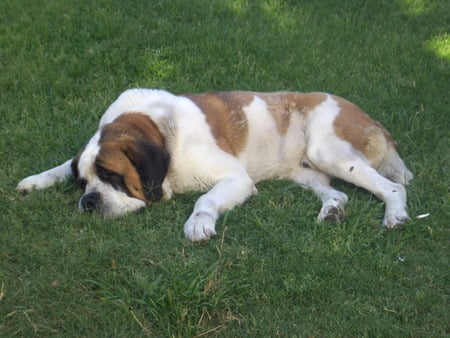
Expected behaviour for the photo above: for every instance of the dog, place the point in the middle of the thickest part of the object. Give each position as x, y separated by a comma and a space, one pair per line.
152, 144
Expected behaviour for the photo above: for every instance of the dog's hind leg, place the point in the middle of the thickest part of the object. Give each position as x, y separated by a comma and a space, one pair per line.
342, 162
46, 178
333, 201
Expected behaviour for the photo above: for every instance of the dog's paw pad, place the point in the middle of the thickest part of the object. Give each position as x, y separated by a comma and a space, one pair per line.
331, 214
334, 215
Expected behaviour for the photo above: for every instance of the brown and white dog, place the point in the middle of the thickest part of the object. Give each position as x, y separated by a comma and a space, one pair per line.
151, 144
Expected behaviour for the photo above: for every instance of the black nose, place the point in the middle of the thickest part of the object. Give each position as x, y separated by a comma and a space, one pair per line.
90, 201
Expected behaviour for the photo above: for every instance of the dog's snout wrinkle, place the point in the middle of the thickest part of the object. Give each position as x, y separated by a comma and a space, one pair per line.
90, 201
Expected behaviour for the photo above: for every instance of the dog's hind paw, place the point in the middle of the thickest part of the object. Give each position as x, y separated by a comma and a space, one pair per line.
200, 227
333, 209
332, 214
394, 219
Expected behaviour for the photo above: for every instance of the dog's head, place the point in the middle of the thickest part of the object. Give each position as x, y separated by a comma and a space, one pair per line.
123, 166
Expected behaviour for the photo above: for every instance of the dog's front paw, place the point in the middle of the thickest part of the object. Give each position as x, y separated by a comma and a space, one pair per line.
199, 227
31, 183
395, 218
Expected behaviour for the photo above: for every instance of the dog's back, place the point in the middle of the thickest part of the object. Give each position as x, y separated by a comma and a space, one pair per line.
270, 132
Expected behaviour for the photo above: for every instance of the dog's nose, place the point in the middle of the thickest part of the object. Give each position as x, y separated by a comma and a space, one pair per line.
90, 201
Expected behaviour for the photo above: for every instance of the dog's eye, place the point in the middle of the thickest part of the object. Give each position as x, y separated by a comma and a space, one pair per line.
105, 174
111, 177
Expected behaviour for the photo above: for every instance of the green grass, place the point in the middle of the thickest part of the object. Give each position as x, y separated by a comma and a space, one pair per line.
272, 270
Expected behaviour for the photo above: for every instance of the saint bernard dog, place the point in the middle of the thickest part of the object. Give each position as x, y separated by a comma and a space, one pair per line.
152, 144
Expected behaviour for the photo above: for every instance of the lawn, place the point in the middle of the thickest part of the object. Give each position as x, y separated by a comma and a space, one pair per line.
272, 270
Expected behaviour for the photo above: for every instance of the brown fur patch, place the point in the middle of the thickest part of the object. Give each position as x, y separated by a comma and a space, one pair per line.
117, 139
282, 104
224, 114
117, 162
137, 125
280, 108
366, 135
305, 102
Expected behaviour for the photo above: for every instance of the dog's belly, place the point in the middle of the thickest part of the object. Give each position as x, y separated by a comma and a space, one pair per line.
269, 154
273, 160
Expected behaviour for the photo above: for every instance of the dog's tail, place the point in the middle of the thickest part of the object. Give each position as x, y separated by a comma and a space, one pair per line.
393, 167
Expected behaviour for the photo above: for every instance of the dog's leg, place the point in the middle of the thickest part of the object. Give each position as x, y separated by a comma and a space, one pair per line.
352, 168
225, 195
46, 178
333, 201
393, 194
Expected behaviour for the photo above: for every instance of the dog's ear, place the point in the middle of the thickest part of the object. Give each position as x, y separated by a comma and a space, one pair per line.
152, 164
74, 167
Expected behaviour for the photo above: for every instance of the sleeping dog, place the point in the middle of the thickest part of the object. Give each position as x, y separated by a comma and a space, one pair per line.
152, 144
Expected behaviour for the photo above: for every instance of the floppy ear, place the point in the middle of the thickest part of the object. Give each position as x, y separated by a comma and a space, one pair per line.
152, 164
74, 166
